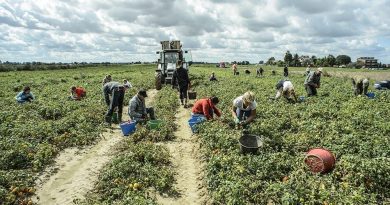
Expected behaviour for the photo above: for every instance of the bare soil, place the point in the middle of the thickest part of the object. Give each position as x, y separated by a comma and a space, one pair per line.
76, 170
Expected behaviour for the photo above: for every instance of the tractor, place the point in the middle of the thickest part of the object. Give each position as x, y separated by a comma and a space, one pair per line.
170, 54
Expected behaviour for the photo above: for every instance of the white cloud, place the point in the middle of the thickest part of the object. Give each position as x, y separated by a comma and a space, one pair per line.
130, 30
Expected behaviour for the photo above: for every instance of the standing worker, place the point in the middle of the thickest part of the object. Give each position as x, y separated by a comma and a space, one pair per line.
234, 67
76, 93
259, 72
360, 85
180, 76
138, 110
244, 108
285, 71
285, 88
25, 96
312, 82
106, 79
206, 108
117, 93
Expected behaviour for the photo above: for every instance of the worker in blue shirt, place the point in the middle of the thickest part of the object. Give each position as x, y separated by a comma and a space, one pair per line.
25, 96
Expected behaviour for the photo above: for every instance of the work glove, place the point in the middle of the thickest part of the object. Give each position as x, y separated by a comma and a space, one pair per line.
236, 120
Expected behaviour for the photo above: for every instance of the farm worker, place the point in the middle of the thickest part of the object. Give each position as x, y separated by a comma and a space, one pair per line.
285, 71
180, 76
117, 93
234, 67
212, 77
25, 96
247, 71
308, 69
138, 110
106, 79
259, 72
285, 88
76, 93
312, 82
360, 85
206, 108
244, 108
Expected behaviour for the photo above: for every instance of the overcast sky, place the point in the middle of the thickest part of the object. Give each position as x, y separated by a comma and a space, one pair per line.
214, 30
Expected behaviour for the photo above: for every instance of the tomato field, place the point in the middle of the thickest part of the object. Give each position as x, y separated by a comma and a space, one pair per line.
355, 129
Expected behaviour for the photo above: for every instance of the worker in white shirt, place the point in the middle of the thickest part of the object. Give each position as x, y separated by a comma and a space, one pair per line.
285, 88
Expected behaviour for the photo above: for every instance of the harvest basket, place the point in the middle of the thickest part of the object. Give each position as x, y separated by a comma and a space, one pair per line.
192, 95
320, 160
250, 143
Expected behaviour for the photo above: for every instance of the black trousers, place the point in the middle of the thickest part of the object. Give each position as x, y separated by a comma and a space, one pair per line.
183, 91
311, 90
117, 98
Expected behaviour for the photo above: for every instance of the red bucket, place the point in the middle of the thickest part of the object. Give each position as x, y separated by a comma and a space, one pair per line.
320, 160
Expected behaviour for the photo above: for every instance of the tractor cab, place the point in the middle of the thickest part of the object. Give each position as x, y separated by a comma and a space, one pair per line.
169, 55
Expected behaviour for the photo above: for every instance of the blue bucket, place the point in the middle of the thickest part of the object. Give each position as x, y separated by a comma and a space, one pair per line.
371, 95
128, 127
194, 121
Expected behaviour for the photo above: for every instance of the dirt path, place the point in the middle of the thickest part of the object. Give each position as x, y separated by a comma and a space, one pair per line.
76, 170
184, 151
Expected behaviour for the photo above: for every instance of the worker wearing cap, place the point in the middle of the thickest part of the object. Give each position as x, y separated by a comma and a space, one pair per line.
117, 93
312, 82
360, 85
76, 93
285, 88
206, 108
180, 77
138, 110
244, 108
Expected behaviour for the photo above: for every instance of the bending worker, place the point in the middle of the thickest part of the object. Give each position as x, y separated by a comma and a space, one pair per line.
117, 93
180, 75
212, 77
285, 88
76, 93
206, 108
25, 96
138, 110
360, 85
244, 108
106, 79
312, 82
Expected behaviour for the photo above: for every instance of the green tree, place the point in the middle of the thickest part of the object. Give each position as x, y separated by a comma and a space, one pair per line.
331, 60
314, 59
295, 60
271, 61
288, 58
343, 60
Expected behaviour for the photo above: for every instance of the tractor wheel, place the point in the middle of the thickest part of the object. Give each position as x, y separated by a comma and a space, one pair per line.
158, 81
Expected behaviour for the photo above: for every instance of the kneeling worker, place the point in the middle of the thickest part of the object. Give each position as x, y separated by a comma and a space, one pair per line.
206, 108
244, 108
76, 93
138, 110
285, 88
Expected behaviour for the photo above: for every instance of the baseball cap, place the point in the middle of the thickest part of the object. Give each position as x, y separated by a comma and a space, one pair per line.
142, 92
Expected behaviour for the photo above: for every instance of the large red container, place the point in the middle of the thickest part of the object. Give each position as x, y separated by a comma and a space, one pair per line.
320, 160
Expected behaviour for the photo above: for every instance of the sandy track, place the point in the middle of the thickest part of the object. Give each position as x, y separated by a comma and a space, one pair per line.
184, 150
77, 170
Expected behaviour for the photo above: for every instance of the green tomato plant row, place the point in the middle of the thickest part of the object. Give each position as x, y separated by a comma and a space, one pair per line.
141, 168
355, 129
32, 134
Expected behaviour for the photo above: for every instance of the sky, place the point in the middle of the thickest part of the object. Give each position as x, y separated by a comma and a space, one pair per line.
213, 30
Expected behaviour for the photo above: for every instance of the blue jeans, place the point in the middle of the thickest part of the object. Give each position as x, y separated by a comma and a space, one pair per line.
242, 115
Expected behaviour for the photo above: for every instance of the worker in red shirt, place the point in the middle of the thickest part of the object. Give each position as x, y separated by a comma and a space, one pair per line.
77, 93
206, 108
